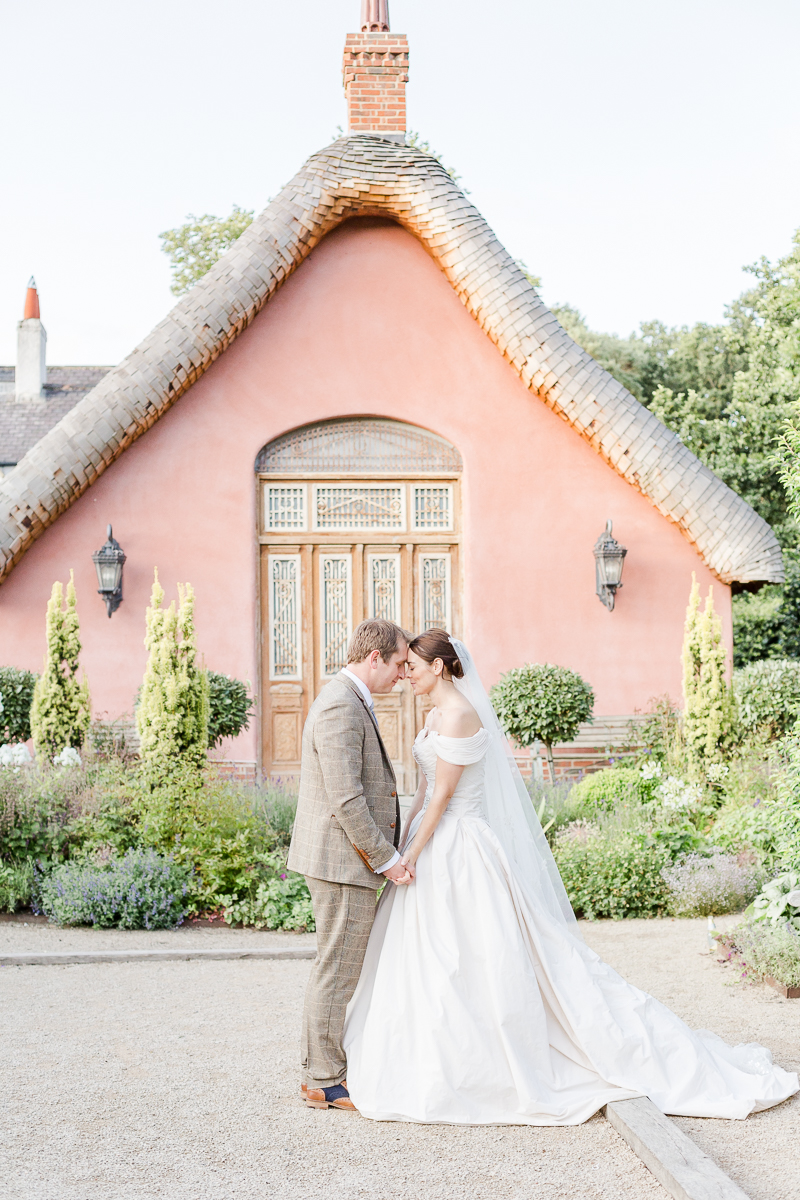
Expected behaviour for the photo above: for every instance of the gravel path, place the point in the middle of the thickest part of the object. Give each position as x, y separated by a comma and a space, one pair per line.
178, 1080
670, 960
21, 935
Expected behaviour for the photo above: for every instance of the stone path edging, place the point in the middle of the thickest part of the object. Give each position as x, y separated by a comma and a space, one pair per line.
678, 1164
68, 957
673, 1158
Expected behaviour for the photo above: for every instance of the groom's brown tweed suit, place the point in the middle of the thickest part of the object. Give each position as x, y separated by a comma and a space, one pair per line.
347, 827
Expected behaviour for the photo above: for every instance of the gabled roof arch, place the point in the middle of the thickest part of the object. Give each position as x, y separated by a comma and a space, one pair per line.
371, 176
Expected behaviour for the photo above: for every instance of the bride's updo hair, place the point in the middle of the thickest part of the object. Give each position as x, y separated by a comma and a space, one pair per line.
435, 643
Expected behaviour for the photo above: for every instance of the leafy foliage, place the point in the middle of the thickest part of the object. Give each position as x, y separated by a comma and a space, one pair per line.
609, 872
194, 247
779, 901
172, 716
60, 710
654, 734
784, 811
542, 702
708, 713
767, 697
141, 890
745, 827
16, 885
766, 624
222, 831
554, 804
229, 705
283, 902
605, 790
16, 697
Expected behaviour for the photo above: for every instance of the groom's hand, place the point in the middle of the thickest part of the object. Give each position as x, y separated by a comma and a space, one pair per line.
401, 873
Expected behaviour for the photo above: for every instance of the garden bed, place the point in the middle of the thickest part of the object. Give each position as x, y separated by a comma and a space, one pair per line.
764, 953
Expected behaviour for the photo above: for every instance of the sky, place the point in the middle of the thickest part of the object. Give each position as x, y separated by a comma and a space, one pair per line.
636, 155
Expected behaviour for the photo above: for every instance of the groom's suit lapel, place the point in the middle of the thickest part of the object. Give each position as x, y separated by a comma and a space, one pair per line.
373, 720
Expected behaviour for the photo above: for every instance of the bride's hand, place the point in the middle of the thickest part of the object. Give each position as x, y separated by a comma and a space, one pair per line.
410, 866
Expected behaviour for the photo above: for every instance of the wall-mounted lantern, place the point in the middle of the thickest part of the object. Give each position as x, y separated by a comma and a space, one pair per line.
108, 562
609, 558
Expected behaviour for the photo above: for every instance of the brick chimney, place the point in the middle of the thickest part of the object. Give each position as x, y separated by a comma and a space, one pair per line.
375, 72
31, 373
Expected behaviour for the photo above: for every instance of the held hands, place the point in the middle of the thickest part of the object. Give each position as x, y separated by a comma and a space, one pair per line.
401, 873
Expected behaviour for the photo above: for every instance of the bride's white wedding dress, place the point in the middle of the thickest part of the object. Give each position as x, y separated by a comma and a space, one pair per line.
474, 1008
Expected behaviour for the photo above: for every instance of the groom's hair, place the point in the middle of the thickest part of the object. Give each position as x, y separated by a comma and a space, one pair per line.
375, 635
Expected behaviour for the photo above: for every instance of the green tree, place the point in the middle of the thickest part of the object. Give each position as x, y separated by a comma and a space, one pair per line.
60, 712
708, 701
230, 705
16, 697
173, 710
541, 702
194, 247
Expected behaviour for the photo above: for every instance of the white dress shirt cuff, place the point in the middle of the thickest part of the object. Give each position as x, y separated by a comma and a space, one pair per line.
388, 866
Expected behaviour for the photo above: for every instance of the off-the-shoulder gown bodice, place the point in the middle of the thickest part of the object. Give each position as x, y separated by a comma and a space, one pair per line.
475, 1008
468, 753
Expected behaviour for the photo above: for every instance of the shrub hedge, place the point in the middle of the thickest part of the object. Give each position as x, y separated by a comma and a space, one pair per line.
611, 872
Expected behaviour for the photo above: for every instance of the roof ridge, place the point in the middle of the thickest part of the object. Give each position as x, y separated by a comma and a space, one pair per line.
366, 175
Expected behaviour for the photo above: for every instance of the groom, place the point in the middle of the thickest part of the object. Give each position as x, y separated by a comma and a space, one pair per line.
345, 842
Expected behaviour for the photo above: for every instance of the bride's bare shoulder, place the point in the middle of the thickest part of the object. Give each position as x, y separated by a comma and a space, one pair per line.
460, 721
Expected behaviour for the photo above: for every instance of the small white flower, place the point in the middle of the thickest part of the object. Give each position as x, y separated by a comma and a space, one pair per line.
716, 772
675, 794
69, 757
794, 898
14, 755
651, 770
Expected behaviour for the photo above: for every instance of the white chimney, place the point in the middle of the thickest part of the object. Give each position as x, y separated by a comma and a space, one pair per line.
31, 373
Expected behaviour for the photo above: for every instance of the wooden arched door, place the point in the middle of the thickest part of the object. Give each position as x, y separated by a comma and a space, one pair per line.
358, 518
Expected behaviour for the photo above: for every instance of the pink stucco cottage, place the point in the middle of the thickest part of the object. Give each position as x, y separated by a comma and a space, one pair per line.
363, 408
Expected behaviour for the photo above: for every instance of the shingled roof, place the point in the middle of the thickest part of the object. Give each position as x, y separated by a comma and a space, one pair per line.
24, 422
367, 175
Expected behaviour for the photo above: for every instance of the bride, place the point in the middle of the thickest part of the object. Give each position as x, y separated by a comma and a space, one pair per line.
478, 1002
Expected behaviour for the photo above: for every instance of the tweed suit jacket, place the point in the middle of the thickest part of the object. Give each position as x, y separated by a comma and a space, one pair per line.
348, 815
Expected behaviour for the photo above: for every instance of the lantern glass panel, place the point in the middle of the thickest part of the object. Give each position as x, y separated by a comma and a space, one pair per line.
108, 574
613, 568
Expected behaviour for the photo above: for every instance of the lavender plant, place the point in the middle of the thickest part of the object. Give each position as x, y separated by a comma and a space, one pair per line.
701, 886
141, 890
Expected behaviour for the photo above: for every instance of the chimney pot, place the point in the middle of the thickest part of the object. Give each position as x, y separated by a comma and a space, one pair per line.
374, 16
31, 301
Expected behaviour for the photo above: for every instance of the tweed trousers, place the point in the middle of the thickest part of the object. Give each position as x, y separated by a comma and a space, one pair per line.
344, 914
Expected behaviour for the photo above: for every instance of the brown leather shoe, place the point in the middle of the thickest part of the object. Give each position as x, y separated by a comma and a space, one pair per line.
303, 1090
316, 1098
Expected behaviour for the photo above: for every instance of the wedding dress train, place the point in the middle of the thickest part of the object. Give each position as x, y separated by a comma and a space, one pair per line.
475, 1007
